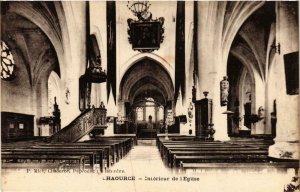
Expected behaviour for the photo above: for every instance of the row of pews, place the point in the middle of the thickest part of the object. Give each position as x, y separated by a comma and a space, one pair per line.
99, 153
186, 153
252, 142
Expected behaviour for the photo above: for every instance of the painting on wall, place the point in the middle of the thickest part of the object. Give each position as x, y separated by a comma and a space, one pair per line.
291, 67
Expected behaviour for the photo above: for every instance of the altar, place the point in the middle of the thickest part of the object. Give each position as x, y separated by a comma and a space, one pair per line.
146, 131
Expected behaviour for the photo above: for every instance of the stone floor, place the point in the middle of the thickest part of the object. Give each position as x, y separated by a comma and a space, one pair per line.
145, 172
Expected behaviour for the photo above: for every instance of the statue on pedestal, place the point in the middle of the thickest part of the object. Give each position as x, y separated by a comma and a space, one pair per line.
102, 106
56, 117
224, 90
150, 124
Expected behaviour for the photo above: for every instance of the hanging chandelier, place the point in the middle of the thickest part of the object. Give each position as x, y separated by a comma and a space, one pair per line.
139, 8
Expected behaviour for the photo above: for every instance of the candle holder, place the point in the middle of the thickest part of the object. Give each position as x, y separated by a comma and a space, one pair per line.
205, 93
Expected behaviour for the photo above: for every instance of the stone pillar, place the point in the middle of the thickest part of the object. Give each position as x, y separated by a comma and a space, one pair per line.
98, 28
210, 64
74, 59
112, 110
287, 139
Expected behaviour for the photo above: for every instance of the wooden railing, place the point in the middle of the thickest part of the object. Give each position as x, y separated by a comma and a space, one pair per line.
82, 125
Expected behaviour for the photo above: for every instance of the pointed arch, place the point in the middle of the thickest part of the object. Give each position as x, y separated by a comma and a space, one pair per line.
145, 72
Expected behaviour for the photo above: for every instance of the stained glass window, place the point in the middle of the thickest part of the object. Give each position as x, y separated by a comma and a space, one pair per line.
140, 113
7, 62
160, 113
53, 91
150, 111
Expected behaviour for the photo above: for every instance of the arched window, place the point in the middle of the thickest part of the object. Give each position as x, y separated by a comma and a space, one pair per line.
246, 94
7, 62
140, 113
53, 91
150, 108
160, 115
150, 111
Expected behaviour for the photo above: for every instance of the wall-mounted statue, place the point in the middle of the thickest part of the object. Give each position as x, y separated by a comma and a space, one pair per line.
67, 99
190, 113
254, 118
224, 90
261, 112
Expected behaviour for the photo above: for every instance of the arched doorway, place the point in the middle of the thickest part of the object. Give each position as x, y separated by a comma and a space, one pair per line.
54, 91
146, 92
148, 117
241, 98
247, 66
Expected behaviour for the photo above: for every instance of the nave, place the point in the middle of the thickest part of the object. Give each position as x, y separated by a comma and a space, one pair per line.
178, 152
151, 172
156, 88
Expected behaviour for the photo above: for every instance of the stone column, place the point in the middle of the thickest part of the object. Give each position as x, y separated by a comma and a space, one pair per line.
287, 139
98, 28
75, 59
210, 64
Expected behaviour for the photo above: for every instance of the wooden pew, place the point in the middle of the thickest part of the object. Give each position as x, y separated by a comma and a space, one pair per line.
166, 152
164, 148
161, 144
77, 158
263, 144
132, 138
117, 149
65, 148
250, 154
216, 159
90, 154
45, 165
174, 151
104, 151
120, 147
125, 144
112, 150
261, 165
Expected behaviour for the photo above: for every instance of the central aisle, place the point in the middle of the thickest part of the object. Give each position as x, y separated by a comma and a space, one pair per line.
145, 164
141, 160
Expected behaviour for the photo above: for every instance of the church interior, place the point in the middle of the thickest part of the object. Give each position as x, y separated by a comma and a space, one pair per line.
202, 85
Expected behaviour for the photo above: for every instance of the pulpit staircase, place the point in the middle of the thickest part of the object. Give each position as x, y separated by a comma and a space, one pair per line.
86, 122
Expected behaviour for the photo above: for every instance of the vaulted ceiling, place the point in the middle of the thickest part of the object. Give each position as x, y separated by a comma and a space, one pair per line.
252, 43
146, 78
28, 41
